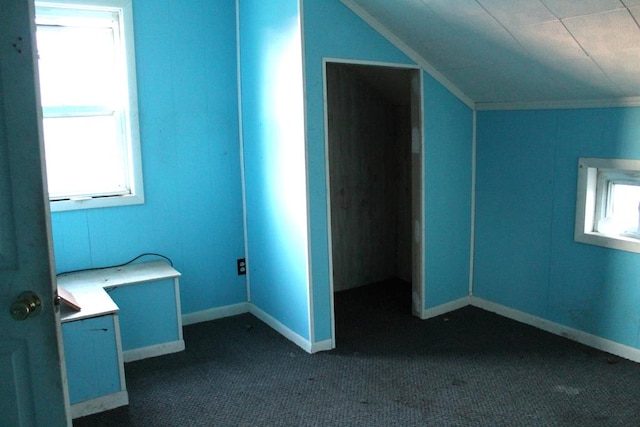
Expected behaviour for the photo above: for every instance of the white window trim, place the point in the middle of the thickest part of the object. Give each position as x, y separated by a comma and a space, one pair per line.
131, 112
587, 203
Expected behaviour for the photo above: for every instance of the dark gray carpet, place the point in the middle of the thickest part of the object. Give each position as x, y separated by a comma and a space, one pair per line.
467, 368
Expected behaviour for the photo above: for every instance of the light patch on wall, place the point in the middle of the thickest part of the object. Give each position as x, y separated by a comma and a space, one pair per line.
284, 103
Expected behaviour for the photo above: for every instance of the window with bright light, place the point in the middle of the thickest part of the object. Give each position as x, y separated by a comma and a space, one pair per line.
88, 91
608, 207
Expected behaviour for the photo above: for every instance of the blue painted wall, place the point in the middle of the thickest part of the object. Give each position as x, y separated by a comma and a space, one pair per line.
274, 160
187, 88
525, 255
448, 126
186, 69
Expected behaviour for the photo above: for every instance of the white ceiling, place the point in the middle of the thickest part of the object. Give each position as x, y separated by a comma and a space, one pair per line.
519, 51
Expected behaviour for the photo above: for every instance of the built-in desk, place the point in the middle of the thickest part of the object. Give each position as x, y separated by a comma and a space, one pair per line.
127, 313
93, 352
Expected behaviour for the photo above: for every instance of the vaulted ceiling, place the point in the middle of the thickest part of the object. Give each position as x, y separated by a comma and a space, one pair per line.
492, 52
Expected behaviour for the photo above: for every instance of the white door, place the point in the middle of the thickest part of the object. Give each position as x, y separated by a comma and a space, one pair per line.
32, 385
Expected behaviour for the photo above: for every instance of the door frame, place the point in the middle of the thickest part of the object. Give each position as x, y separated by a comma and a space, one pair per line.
417, 179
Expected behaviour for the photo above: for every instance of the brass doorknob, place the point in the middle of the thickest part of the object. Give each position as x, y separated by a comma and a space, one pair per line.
27, 305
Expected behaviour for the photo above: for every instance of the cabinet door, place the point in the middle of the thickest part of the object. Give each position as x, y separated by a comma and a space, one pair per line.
91, 355
148, 313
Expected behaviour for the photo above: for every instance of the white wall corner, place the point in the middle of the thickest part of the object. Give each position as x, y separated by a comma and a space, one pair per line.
325, 345
612, 347
246, 307
276, 325
472, 238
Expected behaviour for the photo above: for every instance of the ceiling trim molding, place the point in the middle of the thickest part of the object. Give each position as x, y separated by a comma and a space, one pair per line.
559, 105
412, 54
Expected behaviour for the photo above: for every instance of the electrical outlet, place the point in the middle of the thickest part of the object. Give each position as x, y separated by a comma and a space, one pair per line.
242, 266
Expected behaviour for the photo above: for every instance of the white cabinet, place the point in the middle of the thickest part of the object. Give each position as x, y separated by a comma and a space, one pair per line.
93, 353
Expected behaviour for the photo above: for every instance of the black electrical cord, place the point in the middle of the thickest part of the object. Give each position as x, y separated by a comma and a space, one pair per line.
119, 265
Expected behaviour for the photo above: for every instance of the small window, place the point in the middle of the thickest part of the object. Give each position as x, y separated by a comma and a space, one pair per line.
608, 203
88, 92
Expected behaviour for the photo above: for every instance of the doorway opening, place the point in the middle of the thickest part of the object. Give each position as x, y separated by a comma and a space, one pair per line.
375, 177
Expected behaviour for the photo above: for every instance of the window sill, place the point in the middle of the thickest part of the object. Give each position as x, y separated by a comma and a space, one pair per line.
613, 242
96, 202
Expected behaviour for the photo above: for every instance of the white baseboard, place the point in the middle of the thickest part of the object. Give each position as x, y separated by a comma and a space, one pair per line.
282, 329
445, 308
590, 340
99, 404
152, 351
594, 341
246, 307
215, 313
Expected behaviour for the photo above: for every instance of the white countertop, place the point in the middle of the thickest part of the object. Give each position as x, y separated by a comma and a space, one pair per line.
93, 300
88, 287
